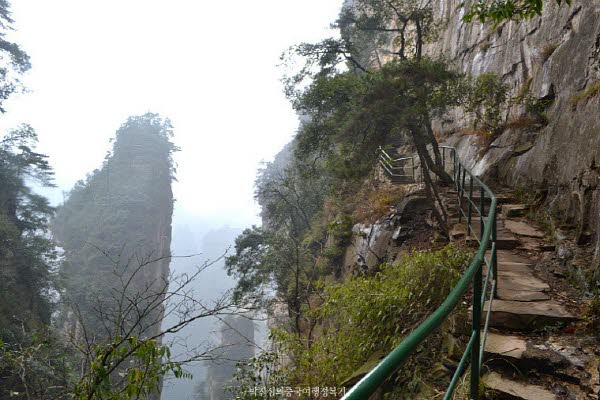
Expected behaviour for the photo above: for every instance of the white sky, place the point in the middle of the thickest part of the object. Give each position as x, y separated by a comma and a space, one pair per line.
210, 66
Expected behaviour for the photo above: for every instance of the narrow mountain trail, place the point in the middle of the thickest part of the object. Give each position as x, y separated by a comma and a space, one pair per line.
533, 350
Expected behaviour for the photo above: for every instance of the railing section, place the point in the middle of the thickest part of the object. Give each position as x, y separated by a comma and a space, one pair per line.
477, 206
396, 167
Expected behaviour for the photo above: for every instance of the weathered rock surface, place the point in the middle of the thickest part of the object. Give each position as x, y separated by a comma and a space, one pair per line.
554, 58
375, 243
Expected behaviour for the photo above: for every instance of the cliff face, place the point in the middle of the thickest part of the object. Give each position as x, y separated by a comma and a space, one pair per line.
554, 58
407, 226
116, 228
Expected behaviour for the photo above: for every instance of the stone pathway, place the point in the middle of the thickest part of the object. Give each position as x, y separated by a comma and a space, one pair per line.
528, 354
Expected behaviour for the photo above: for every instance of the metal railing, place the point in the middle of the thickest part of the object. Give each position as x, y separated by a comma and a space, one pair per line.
467, 186
396, 167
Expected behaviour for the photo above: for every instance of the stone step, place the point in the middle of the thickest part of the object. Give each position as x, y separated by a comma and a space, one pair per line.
521, 228
514, 270
503, 242
535, 245
452, 213
458, 232
519, 315
531, 353
501, 198
497, 345
513, 210
504, 293
520, 281
475, 221
401, 180
506, 266
517, 282
507, 256
564, 360
510, 389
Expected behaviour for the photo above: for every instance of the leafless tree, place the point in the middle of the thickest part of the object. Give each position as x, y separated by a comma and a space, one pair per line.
135, 305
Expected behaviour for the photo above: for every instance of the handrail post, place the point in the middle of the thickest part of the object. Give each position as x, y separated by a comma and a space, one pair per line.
470, 205
458, 167
476, 332
461, 190
454, 168
494, 256
482, 211
444, 159
413, 169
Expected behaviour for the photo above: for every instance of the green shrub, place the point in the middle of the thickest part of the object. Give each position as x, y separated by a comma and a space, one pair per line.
258, 377
367, 316
487, 99
590, 92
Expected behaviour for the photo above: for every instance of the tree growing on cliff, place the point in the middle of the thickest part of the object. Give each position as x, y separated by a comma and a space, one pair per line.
398, 28
27, 255
27, 269
345, 126
498, 11
352, 115
284, 253
372, 32
13, 60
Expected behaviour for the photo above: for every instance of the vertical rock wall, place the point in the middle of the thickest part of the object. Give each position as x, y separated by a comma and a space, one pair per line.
556, 58
115, 229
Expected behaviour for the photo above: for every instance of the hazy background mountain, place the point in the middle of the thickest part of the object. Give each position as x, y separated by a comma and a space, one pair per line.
195, 236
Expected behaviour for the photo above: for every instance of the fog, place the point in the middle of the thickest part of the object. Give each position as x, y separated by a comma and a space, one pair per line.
211, 67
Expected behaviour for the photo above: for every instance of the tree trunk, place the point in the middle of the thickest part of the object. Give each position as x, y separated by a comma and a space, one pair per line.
419, 40
438, 168
430, 187
419, 139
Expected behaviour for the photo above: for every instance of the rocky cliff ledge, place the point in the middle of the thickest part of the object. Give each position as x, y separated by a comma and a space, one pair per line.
554, 58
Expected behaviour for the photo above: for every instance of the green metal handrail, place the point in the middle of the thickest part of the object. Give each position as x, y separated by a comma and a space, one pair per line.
465, 183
